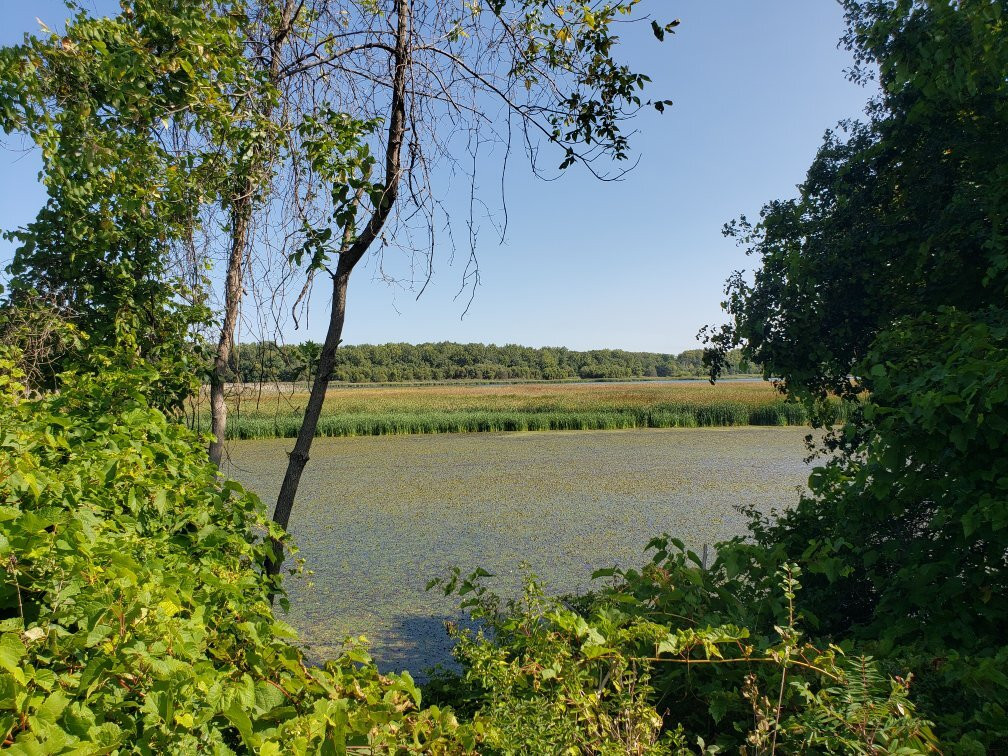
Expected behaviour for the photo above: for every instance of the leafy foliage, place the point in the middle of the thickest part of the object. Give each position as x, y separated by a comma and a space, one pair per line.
888, 274
40, 339
903, 216
136, 118
549, 678
614, 673
135, 609
905, 540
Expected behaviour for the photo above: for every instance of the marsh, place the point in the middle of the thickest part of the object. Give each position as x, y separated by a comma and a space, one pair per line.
377, 517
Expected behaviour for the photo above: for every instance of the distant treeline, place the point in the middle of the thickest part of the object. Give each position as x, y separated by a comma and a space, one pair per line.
446, 361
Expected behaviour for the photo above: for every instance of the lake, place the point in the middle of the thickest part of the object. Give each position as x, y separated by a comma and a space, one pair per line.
377, 517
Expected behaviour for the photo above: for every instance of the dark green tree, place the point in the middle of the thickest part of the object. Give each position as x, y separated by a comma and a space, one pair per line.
899, 214
886, 279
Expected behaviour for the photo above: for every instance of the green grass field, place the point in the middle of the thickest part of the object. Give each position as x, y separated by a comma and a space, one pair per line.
399, 410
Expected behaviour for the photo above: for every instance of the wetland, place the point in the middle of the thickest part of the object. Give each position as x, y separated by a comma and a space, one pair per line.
262, 411
378, 516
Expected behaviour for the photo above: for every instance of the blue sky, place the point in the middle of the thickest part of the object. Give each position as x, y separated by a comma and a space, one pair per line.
639, 264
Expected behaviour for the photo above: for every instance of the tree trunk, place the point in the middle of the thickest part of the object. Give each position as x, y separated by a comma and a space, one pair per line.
241, 218
299, 456
352, 250
240, 215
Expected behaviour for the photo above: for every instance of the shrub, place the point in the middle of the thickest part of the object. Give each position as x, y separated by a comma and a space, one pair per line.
134, 608
627, 670
904, 537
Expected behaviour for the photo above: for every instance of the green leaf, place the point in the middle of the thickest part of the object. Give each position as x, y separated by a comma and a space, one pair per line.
237, 717
53, 707
12, 650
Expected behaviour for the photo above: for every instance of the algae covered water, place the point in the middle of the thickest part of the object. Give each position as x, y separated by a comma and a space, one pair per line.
377, 517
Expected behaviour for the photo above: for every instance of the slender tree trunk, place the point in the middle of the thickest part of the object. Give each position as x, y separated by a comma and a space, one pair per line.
352, 250
323, 374
240, 215
241, 218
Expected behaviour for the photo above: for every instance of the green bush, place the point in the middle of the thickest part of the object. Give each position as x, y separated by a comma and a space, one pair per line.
135, 613
644, 667
904, 540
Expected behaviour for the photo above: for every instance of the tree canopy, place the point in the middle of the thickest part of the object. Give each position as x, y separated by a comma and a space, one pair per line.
886, 280
446, 361
900, 214
134, 119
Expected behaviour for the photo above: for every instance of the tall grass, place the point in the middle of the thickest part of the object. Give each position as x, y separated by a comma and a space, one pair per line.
371, 411
679, 415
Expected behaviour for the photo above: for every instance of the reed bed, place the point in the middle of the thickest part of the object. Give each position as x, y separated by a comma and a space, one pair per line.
534, 407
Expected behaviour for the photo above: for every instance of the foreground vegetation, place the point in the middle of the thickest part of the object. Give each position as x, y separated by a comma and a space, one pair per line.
137, 618
275, 413
136, 615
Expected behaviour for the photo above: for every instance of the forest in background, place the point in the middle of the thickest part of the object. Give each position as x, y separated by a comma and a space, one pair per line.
268, 361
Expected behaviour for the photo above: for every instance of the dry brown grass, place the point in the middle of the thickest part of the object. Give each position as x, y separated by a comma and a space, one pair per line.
536, 397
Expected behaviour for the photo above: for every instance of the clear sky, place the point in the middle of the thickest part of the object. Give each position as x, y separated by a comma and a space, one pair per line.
639, 264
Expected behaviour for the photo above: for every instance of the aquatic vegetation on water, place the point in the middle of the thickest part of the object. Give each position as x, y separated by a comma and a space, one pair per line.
379, 516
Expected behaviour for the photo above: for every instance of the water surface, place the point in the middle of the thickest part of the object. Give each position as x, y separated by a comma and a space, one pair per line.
377, 517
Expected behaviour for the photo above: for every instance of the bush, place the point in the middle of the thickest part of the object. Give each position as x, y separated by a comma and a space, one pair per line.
644, 667
134, 606
904, 539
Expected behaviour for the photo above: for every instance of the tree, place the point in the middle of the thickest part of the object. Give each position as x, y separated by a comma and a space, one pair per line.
309, 352
897, 215
294, 175
186, 101
415, 75
104, 103
263, 126
885, 281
